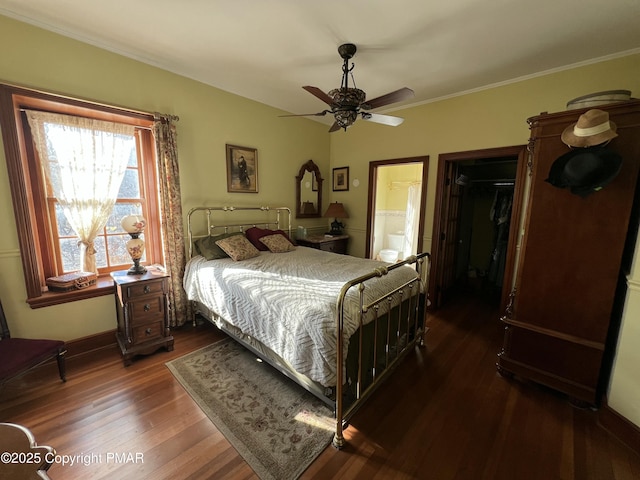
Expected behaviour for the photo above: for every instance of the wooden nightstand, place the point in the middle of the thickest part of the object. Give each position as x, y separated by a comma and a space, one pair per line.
335, 244
141, 306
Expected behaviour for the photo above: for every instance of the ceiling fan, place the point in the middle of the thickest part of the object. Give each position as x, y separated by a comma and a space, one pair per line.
347, 103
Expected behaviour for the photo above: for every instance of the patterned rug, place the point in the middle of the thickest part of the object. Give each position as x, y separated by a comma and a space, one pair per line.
278, 427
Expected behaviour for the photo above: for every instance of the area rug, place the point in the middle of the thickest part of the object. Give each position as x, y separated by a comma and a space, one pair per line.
275, 425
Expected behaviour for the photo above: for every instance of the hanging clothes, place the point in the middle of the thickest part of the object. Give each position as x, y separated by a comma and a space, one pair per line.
500, 215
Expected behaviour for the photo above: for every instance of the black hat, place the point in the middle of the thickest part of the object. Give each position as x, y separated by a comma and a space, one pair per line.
585, 170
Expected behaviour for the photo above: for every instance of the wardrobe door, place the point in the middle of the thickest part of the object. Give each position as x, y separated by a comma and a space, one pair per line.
557, 325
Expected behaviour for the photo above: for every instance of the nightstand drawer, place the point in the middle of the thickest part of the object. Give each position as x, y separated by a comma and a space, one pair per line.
334, 244
146, 288
331, 247
148, 331
147, 309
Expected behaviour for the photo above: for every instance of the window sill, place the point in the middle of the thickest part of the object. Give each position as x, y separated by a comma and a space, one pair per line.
103, 286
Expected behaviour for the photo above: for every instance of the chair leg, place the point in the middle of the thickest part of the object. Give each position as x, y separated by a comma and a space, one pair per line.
62, 368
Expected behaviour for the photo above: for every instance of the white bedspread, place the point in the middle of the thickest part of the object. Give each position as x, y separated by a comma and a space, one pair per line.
287, 301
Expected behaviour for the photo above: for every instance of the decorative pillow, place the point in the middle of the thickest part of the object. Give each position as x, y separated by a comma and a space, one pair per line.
277, 243
206, 246
254, 234
238, 247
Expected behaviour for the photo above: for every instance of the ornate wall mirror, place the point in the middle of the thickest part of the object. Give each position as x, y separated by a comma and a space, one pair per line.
309, 191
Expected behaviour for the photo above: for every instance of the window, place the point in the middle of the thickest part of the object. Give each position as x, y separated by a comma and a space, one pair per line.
110, 241
48, 241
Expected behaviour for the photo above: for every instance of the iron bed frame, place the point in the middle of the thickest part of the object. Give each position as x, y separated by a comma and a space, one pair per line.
396, 345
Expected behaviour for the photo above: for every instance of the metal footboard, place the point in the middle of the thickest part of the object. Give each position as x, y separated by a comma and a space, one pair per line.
411, 314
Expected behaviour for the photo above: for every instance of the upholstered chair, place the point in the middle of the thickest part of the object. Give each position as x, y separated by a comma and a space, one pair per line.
17, 355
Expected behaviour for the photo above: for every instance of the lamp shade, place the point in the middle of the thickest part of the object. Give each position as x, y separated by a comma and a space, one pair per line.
308, 208
336, 210
133, 223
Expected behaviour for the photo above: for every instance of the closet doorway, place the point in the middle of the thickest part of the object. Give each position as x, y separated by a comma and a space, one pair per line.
477, 214
396, 206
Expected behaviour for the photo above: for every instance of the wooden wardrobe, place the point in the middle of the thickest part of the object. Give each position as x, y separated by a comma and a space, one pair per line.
561, 325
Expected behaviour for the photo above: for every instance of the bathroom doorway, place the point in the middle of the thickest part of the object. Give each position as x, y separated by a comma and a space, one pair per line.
395, 216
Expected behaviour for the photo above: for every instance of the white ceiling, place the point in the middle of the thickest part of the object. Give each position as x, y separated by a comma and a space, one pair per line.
267, 50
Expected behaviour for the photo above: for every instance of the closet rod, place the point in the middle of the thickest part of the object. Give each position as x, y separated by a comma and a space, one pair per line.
501, 181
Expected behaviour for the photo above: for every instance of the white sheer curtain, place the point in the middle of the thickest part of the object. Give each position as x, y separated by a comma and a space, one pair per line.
84, 161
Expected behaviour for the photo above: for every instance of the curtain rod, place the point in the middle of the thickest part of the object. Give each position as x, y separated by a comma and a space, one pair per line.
142, 127
166, 116
156, 116
22, 89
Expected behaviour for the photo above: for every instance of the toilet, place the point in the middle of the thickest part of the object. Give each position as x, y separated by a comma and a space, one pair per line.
387, 255
395, 242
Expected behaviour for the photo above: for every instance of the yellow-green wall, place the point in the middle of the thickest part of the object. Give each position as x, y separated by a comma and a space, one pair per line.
393, 185
210, 118
490, 118
494, 118
624, 387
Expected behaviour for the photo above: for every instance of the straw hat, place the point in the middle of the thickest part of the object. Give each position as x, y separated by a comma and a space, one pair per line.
586, 170
592, 128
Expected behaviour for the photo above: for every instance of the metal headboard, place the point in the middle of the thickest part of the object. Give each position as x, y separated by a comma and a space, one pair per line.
269, 222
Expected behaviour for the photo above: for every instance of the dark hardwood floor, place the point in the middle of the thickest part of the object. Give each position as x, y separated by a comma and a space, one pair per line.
447, 415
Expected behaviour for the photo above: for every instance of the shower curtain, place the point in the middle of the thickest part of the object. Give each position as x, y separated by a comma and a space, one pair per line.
412, 220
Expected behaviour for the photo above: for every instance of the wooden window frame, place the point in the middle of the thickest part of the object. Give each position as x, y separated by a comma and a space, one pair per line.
30, 203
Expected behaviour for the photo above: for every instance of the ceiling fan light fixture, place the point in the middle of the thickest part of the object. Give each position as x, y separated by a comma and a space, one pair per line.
351, 97
348, 102
345, 118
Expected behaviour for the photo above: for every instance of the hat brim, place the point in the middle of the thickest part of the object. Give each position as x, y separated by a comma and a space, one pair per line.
572, 140
612, 172
611, 160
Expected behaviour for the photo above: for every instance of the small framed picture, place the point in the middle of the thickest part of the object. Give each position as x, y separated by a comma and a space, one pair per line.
340, 179
242, 169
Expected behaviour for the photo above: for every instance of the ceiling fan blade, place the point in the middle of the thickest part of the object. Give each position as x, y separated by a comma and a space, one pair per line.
382, 119
319, 114
315, 91
393, 97
335, 127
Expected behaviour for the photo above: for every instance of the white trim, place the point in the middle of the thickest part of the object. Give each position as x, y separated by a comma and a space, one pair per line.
523, 78
633, 284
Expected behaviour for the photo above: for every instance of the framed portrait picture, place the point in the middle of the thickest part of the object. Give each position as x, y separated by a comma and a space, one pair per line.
242, 169
340, 179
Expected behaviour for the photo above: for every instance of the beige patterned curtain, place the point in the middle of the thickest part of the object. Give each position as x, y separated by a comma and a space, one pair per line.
172, 226
84, 161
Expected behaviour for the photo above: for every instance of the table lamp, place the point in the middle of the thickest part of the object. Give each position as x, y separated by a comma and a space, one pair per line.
337, 211
134, 226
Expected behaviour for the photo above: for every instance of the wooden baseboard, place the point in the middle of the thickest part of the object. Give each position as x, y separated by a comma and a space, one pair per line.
619, 427
92, 342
